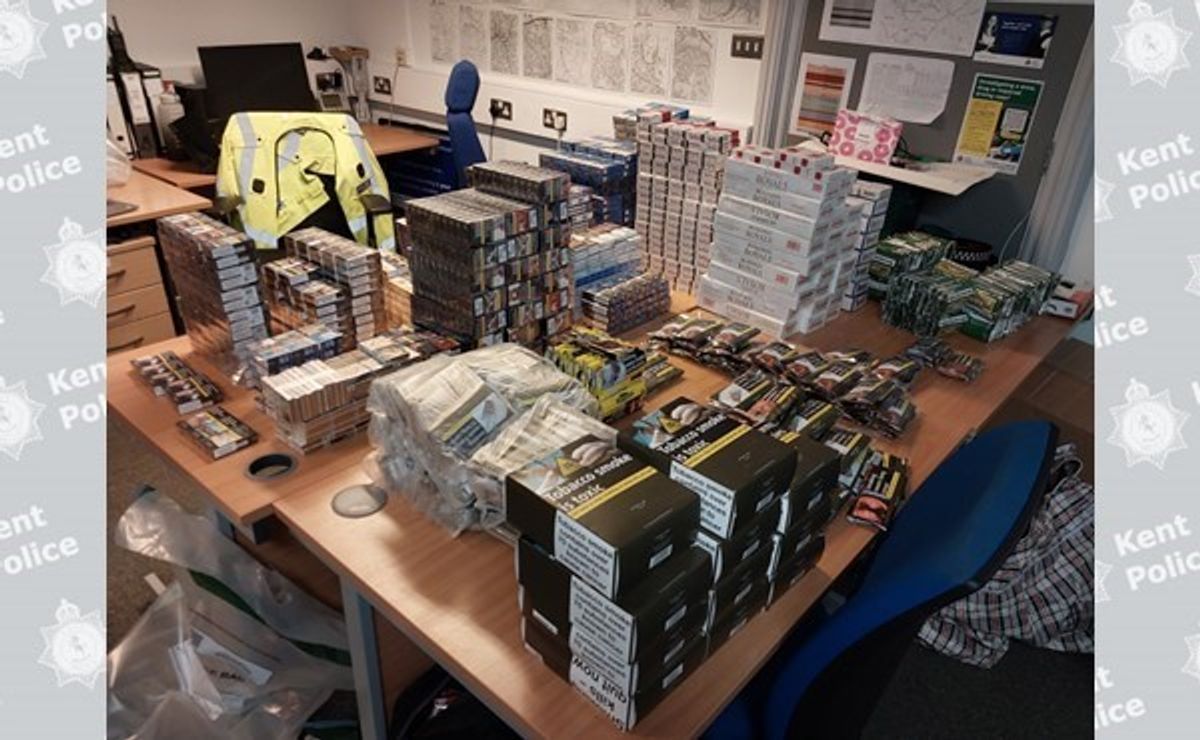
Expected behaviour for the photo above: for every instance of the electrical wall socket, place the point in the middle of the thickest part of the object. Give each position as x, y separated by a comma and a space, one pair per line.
555, 119
401, 57
383, 85
501, 110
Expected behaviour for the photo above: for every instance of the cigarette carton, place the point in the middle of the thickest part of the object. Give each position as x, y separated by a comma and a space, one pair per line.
727, 555
607, 516
618, 701
735, 470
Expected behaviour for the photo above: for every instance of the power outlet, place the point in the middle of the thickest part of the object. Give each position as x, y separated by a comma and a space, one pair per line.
554, 119
383, 85
747, 47
501, 110
401, 57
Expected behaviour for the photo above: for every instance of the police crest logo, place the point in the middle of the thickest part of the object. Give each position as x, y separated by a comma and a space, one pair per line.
78, 265
20, 38
75, 645
18, 419
1148, 427
1150, 46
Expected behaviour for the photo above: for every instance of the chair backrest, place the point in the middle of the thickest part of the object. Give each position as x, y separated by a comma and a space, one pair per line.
461, 91
945, 543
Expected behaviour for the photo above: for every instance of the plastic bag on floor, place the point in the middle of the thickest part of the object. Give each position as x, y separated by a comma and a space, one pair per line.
155, 526
196, 667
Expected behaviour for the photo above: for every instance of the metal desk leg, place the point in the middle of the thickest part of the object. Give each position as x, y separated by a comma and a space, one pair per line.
364, 655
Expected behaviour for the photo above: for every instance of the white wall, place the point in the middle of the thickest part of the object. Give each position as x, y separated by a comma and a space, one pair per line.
165, 33
384, 25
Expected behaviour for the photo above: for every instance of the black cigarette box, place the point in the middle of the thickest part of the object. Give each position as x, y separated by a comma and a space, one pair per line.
795, 554
731, 621
671, 596
736, 471
728, 554
747, 582
623, 705
607, 516
815, 479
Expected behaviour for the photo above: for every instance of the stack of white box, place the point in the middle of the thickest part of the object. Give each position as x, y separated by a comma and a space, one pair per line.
871, 199
680, 167
781, 255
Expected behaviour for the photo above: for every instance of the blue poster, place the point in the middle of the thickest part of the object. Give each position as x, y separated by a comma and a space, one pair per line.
1015, 39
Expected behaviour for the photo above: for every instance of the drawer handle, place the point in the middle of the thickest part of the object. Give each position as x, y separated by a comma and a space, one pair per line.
127, 345
122, 311
118, 274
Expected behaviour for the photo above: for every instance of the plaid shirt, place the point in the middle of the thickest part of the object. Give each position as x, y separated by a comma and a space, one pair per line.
1043, 594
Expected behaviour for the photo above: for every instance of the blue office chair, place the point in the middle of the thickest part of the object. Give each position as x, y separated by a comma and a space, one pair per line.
944, 544
461, 90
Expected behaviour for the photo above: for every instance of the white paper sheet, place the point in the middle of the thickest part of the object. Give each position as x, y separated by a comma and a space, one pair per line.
944, 26
907, 88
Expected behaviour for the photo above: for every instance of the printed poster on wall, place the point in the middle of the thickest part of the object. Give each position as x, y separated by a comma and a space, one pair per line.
1016, 39
941, 26
822, 88
996, 126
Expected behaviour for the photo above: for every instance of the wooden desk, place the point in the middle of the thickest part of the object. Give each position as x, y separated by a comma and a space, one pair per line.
186, 174
384, 140
153, 198
456, 597
236, 498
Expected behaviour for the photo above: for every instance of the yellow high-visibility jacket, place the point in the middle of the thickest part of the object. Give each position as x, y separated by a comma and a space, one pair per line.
270, 163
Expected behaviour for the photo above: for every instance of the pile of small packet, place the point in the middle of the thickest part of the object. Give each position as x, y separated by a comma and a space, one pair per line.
786, 390
935, 353
770, 379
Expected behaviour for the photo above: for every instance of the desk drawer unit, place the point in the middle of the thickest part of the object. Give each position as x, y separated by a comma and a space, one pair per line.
137, 312
139, 333
132, 265
135, 305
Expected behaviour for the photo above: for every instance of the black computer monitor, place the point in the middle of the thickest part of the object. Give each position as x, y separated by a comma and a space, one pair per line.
255, 77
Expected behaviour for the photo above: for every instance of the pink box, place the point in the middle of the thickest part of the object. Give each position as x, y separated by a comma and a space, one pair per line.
864, 136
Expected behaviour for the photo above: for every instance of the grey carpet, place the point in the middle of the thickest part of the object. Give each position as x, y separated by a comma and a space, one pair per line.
1030, 693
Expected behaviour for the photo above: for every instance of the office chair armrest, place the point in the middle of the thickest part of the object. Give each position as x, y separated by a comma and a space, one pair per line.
375, 204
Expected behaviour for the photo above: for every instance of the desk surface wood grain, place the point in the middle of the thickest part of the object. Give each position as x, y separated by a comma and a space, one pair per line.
243, 499
457, 597
154, 198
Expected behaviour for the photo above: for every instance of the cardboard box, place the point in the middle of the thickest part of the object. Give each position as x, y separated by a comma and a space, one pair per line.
734, 619
711, 296
785, 221
747, 583
604, 514
739, 236
675, 594
727, 555
815, 479
622, 706
794, 555
736, 471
